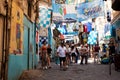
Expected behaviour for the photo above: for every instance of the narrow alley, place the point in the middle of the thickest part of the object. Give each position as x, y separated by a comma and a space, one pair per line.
90, 71
59, 39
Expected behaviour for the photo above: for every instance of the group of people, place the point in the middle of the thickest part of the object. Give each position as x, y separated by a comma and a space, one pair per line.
113, 55
70, 53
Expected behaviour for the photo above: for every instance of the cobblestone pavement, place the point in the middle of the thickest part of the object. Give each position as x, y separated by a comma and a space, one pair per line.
74, 72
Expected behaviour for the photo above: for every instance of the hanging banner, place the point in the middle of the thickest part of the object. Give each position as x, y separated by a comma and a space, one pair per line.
70, 9
44, 17
90, 10
92, 37
16, 39
43, 31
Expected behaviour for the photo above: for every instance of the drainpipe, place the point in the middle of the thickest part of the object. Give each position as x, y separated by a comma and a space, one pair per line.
36, 18
3, 54
4, 69
6, 43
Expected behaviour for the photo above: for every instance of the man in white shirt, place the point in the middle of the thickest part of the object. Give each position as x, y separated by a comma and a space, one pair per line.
61, 52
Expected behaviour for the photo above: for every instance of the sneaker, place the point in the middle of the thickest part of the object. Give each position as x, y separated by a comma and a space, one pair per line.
66, 66
46, 67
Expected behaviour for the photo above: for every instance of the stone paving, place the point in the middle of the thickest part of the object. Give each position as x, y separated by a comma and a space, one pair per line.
90, 71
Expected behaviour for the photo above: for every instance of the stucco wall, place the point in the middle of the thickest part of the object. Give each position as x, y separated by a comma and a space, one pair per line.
1, 38
2, 8
19, 63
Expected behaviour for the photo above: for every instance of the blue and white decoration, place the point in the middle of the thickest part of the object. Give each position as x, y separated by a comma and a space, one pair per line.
44, 17
90, 10
41, 39
92, 38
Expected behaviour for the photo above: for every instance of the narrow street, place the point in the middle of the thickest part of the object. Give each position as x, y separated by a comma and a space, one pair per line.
90, 71
35, 32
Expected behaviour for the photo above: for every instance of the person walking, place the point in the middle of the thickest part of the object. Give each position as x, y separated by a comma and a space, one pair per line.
77, 54
96, 53
68, 51
49, 54
73, 54
84, 54
44, 55
61, 52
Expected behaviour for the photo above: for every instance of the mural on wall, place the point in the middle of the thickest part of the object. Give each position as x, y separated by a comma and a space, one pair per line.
16, 41
18, 36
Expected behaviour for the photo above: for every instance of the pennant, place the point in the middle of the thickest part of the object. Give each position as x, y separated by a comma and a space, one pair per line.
64, 10
61, 11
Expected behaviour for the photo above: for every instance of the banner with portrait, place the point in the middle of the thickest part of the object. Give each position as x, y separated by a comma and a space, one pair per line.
90, 10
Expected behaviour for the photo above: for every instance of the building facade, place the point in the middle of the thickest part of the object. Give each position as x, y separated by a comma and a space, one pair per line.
17, 37
115, 28
5, 10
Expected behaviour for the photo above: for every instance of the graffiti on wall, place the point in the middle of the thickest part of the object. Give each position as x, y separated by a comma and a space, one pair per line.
18, 37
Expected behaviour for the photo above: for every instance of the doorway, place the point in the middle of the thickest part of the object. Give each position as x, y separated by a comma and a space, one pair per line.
26, 45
